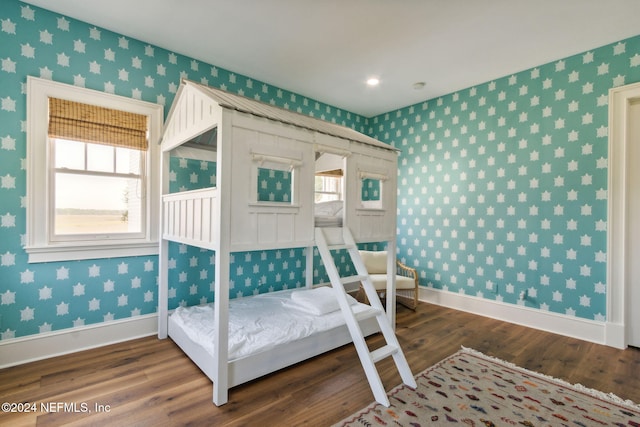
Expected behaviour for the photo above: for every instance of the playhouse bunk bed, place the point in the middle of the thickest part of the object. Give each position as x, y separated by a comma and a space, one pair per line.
244, 137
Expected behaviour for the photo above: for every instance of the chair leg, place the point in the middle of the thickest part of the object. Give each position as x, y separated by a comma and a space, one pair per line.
410, 303
383, 299
365, 300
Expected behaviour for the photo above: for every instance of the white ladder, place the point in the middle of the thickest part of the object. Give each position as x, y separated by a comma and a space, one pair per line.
341, 238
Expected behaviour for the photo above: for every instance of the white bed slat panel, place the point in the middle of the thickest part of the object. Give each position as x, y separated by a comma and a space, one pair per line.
372, 224
190, 217
284, 225
206, 227
275, 227
266, 230
187, 218
196, 224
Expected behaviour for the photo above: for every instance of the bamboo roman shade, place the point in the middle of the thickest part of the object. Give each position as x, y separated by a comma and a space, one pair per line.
336, 173
91, 123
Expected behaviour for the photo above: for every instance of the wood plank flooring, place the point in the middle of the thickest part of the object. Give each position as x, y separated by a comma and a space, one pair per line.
149, 382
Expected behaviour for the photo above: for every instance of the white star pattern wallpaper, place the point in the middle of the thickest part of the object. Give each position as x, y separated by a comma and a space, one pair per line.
502, 186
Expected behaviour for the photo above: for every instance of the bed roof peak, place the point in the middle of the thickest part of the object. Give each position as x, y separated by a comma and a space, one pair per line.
261, 109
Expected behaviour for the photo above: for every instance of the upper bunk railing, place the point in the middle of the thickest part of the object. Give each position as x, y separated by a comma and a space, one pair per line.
190, 217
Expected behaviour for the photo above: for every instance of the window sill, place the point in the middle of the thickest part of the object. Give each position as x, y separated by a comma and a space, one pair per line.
371, 210
273, 207
82, 251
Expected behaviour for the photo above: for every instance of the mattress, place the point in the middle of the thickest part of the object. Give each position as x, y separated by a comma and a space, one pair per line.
261, 322
328, 221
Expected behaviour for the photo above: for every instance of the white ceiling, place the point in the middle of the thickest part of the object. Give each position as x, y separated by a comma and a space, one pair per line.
326, 49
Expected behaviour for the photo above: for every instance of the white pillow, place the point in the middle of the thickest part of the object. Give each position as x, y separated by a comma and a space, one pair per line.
330, 208
375, 261
318, 301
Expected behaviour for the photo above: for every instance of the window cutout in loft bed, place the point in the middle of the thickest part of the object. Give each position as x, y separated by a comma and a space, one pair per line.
371, 192
274, 185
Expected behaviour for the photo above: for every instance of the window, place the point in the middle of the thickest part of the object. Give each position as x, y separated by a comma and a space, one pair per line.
274, 179
92, 168
330, 164
328, 186
371, 188
274, 185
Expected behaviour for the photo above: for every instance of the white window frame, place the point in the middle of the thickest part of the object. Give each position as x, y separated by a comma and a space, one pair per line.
86, 171
371, 204
266, 161
39, 245
325, 184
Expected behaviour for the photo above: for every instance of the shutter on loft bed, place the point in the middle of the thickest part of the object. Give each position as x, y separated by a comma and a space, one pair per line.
331, 173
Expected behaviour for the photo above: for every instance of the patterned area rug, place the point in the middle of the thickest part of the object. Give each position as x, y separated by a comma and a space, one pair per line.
469, 388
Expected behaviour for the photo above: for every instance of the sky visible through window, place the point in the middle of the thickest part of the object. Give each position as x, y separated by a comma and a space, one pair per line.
98, 189
78, 189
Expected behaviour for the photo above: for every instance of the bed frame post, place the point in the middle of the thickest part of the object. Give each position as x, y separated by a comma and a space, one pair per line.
163, 255
309, 267
391, 282
223, 261
163, 290
221, 327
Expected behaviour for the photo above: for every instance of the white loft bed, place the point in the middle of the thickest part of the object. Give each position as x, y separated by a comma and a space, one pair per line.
244, 135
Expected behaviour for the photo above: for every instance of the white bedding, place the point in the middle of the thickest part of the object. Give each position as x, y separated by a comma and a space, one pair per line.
328, 214
257, 323
328, 221
318, 301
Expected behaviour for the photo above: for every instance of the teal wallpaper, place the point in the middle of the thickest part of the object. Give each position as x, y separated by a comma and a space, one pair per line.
274, 186
38, 298
503, 186
370, 189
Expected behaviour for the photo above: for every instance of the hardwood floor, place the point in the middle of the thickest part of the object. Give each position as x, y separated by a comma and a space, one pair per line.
148, 382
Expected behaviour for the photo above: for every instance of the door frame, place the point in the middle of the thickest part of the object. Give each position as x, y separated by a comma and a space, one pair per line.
618, 312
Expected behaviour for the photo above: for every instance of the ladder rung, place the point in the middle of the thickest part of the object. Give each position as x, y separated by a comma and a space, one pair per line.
352, 279
367, 314
383, 352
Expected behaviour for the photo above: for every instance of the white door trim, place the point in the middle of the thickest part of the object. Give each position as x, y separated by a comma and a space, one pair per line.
620, 99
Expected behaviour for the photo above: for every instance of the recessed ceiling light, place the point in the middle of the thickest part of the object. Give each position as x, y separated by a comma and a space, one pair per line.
419, 85
373, 81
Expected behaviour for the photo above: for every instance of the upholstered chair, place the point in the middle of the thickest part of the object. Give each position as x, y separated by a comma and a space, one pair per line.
406, 278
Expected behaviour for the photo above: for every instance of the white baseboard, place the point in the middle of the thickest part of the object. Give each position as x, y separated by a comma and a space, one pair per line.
41, 346
575, 327
615, 335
